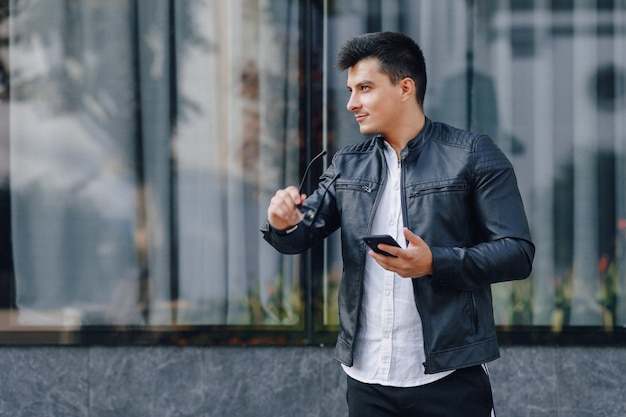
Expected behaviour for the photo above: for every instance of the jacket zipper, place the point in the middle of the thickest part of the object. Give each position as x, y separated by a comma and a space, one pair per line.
418, 304
369, 229
474, 312
438, 189
355, 187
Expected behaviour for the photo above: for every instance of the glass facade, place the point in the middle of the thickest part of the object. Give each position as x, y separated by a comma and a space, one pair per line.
546, 80
141, 141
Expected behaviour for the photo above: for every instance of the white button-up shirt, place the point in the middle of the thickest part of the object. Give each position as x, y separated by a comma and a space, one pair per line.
389, 345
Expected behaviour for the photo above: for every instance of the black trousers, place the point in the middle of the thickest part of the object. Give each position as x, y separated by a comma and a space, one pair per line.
464, 393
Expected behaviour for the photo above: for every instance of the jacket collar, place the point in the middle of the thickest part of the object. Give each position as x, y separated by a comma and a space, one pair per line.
422, 137
417, 142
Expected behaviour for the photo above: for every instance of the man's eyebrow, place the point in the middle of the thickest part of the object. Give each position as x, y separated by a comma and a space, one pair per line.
361, 83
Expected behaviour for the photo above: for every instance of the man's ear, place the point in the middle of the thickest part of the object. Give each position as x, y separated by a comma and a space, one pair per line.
408, 88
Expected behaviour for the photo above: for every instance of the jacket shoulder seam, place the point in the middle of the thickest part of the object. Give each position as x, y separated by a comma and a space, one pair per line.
362, 147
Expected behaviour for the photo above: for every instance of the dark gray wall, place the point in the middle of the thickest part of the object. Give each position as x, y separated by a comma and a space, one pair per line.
290, 381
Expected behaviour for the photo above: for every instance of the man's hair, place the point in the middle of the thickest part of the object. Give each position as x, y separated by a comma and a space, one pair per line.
399, 57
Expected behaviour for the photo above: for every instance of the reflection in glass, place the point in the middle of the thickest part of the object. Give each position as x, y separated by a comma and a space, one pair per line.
546, 81
140, 143
145, 140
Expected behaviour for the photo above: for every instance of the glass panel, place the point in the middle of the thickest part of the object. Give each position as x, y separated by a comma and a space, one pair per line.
547, 81
140, 143
146, 138
566, 77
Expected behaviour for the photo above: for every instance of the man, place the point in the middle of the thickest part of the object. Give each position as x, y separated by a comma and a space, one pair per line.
416, 328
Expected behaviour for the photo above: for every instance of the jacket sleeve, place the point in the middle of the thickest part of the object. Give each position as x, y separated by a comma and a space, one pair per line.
502, 248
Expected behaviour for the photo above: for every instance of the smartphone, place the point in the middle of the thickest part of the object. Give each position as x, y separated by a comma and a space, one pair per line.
374, 240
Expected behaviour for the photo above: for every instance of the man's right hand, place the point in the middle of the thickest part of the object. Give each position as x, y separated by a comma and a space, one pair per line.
283, 212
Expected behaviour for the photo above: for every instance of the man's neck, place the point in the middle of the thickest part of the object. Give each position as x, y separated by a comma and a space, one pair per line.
405, 133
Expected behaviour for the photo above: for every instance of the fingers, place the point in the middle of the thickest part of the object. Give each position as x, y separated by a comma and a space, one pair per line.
413, 262
283, 212
412, 237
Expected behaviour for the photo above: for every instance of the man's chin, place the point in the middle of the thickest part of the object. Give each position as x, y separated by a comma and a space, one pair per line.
365, 130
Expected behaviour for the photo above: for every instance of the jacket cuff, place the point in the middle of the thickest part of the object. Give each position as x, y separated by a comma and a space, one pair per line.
445, 268
267, 228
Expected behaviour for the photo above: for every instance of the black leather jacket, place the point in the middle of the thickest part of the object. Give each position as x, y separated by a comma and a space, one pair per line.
460, 194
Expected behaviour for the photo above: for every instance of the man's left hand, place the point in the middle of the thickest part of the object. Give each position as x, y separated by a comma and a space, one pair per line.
413, 262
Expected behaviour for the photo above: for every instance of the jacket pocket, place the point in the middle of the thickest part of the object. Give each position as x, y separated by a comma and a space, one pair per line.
439, 211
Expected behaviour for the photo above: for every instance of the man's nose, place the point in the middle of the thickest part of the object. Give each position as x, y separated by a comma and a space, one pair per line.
353, 103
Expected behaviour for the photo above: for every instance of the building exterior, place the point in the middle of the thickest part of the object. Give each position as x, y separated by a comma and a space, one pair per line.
141, 141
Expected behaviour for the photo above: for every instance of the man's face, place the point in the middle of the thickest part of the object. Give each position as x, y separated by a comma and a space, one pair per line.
374, 100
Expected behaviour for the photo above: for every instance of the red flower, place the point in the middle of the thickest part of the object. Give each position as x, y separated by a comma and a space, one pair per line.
603, 264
